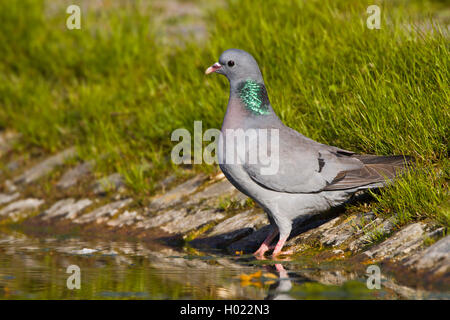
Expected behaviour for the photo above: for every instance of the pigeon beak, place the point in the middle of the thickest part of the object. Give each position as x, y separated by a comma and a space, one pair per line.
216, 66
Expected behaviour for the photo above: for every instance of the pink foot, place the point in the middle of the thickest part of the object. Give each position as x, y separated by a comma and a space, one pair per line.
261, 251
265, 245
281, 271
279, 246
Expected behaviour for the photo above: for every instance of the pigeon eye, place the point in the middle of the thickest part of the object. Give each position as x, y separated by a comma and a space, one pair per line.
230, 63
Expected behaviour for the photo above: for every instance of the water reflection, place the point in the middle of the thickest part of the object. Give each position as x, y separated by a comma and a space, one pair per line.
32, 268
280, 289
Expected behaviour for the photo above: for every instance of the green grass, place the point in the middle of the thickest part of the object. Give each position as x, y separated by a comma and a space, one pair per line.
116, 92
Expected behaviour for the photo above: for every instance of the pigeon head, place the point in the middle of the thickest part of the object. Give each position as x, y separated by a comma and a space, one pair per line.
237, 65
246, 81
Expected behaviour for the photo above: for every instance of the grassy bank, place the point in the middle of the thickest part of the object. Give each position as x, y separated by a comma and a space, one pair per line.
115, 91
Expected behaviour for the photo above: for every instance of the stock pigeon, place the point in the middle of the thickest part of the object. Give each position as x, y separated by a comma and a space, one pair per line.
309, 177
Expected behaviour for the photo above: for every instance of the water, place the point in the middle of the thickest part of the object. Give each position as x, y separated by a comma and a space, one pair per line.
36, 268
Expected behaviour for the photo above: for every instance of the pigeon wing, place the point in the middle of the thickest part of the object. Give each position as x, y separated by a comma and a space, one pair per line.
376, 169
301, 165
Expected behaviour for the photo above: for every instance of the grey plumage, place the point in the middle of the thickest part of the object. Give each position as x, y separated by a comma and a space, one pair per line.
311, 177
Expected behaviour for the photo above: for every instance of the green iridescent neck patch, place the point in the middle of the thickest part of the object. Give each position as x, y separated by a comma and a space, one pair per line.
254, 96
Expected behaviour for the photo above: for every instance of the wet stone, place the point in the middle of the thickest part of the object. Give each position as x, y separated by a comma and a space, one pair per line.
239, 197
301, 225
170, 259
335, 277
251, 242
162, 218
45, 167
191, 221
127, 218
435, 258
406, 292
6, 198
72, 176
67, 208
309, 230
104, 213
400, 244
340, 233
323, 225
246, 219
9, 186
84, 251
167, 181
378, 227
334, 234
113, 182
17, 209
223, 240
176, 195
216, 189
232, 229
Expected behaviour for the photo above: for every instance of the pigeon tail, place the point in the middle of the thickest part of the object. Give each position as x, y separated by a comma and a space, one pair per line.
376, 170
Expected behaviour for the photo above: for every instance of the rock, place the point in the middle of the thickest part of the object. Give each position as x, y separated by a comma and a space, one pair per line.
113, 182
162, 218
309, 231
332, 277
231, 230
401, 243
84, 251
5, 198
180, 220
302, 225
176, 195
127, 218
334, 234
378, 228
246, 219
16, 209
331, 232
45, 167
436, 258
314, 233
340, 233
407, 292
9, 186
221, 241
168, 259
103, 213
214, 190
67, 208
167, 181
191, 221
73, 175
240, 198
251, 242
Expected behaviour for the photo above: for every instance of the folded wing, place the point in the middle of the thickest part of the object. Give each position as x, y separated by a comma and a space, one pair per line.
305, 166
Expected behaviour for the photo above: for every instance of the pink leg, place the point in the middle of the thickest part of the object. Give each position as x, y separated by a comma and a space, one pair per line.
279, 268
265, 245
281, 271
279, 246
